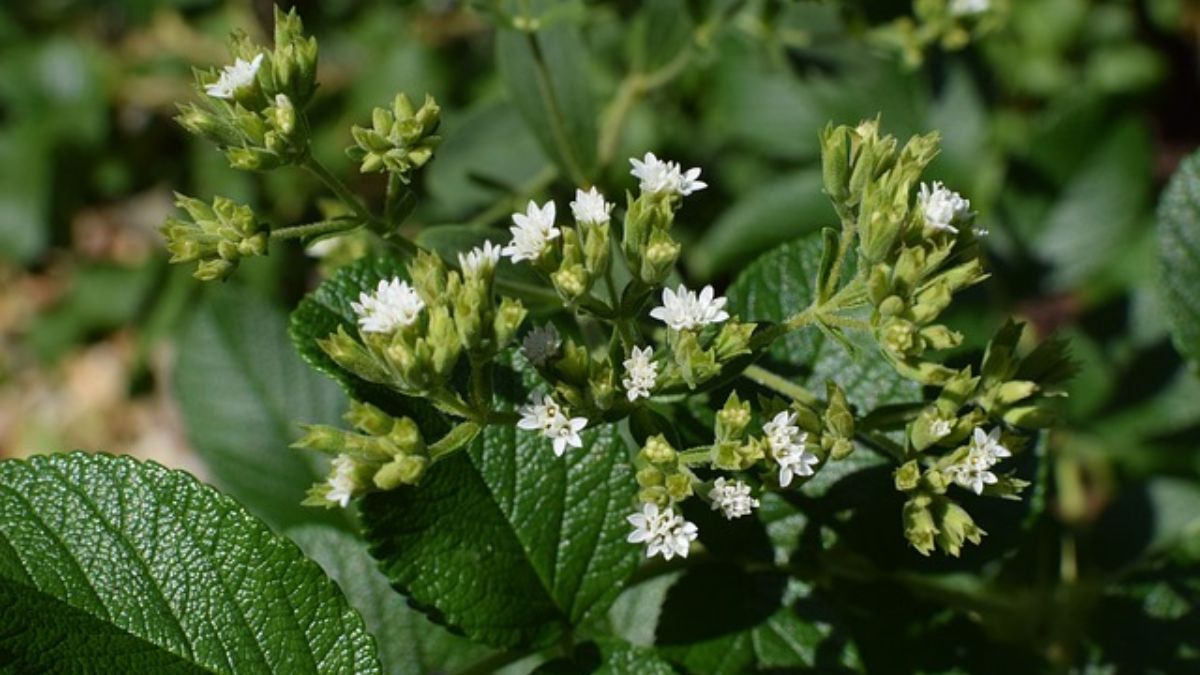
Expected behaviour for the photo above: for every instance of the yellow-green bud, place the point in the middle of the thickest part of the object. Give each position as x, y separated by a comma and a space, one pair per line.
658, 451
369, 419
956, 527
406, 436
919, 527
352, 356
732, 419
659, 257
649, 477
908, 476
679, 486
508, 320
403, 470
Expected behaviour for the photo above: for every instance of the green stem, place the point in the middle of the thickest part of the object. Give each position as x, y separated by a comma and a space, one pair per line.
454, 439
695, 456
352, 202
780, 384
315, 229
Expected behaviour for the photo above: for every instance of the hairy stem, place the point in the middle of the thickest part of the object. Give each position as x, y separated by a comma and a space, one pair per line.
315, 229
353, 203
780, 384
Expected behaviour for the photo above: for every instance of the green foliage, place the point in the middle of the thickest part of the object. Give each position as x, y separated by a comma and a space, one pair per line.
506, 542
110, 563
236, 345
1179, 253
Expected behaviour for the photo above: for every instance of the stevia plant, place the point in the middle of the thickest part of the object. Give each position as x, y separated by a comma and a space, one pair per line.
534, 413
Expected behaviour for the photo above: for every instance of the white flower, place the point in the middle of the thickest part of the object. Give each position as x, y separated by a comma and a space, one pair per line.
640, 373
479, 261
942, 207
681, 309
342, 484
940, 428
968, 7
663, 532
590, 207
534, 230
233, 77
973, 472
322, 248
655, 175
733, 499
786, 443
545, 415
541, 344
394, 304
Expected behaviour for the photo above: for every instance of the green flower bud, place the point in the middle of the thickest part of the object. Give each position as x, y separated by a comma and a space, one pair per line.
1036, 416
399, 140
653, 495
892, 306
602, 385
509, 317
733, 340
835, 162
214, 270
930, 303
442, 338
294, 61
658, 258
955, 527
1015, 391
897, 336
403, 470
840, 448
596, 248
939, 337
838, 418
879, 285
353, 357
919, 527
406, 436
321, 438
571, 281
908, 476
695, 365
728, 456
369, 419
658, 451
732, 419
649, 477
679, 486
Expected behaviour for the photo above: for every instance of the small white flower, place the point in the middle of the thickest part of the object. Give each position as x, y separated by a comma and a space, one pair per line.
941, 428
682, 309
663, 532
655, 175
533, 232
545, 415
732, 498
342, 484
322, 248
640, 373
394, 304
972, 477
479, 261
968, 7
240, 73
786, 443
590, 207
987, 446
973, 472
942, 207
541, 344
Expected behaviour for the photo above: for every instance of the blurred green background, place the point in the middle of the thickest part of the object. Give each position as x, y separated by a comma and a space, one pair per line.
1062, 121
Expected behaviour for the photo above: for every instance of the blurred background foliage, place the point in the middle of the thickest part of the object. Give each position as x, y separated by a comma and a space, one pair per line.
1061, 120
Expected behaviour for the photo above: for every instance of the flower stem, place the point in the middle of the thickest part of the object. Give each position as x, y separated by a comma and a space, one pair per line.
695, 456
780, 384
315, 229
353, 203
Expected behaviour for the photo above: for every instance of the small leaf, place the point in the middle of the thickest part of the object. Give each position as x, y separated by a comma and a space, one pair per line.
242, 390
661, 32
547, 75
322, 311
779, 284
1179, 255
409, 644
113, 565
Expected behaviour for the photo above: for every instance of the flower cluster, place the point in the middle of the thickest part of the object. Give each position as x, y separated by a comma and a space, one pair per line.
973, 471
662, 531
393, 305
786, 443
942, 208
682, 309
217, 236
732, 498
640, 373
400, 140
552, 420
658, 177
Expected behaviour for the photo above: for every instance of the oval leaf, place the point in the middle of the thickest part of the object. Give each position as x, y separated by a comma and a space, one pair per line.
121, 566
507, 542
1179, 254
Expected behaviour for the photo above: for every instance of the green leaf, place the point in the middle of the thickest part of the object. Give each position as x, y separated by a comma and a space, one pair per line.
25, 180
661, 32
608, 657
242, 392
506, 542
408, 642
321, 312
1179, 255
779, 284
547, 76
111, 565
780, 211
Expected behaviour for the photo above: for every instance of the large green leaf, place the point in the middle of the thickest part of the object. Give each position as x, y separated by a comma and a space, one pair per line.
548, 78
111, 565
779, 284
321, 313
1179, 254
408, 642
506, 542
243, 391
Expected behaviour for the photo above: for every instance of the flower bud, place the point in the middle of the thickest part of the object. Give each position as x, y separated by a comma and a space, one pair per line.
732, 419
321, 438
919, 527
402, 470
835, 162
294, 61
658, 451
679, 486
509, 317
955, 527
649, 477
733, 340
908, 476
838, 418
369, 419
658, 258
351, 356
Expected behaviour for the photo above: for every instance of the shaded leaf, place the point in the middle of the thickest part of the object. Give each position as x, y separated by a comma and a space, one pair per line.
1179, 256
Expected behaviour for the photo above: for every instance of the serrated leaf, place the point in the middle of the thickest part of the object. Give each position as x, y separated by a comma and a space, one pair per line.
506, 542
242, 391
1179, 256
547, 77
779, 284
320, 314
409, 644
118, 566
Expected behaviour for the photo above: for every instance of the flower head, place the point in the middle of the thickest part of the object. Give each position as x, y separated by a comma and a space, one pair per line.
342, 482
682, 309
547, 416
984, 451
394, 304
239, 74
590, 207
479, 261
663, 532
942, 207
655, 176
787, 445
941, 428
541, 345
640, 373
533, 231
732, 498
